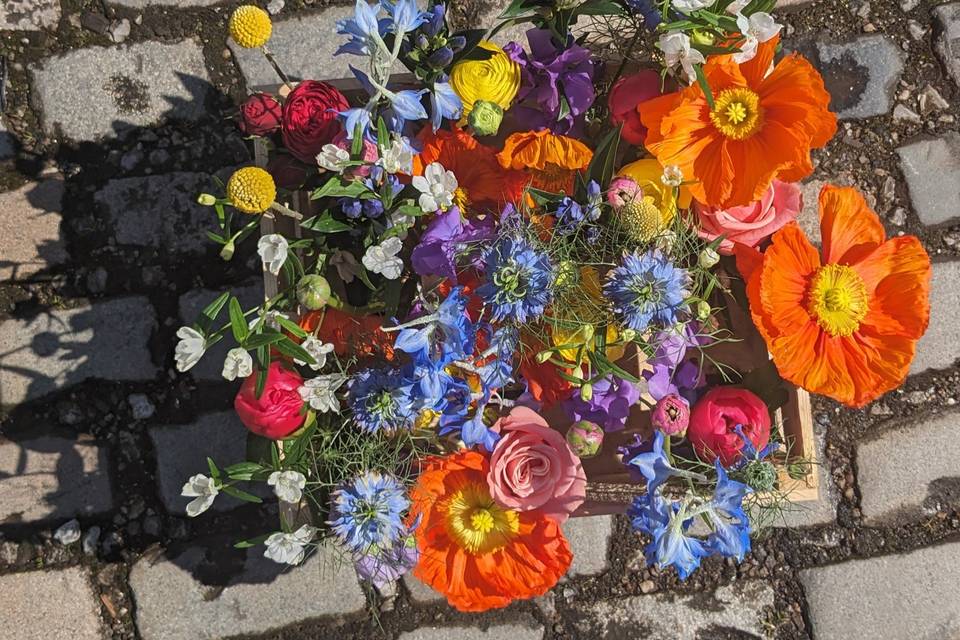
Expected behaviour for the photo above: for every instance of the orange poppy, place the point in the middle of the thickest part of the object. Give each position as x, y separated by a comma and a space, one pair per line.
349, 334
845, 326
475, 552
482, 181
551, 160
760, 128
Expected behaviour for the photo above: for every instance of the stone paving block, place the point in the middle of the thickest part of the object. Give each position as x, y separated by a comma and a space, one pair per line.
589, 539
52, 605
528, 631
809, 218
52, 478
179, 4
29, 15
909, 471
8, 144
932, 170
860, 75
62, 347
160, 211
822, 510
738, 607
192, 303
30, 239
182, 451
171, 604
947, 44
134, 85
913, 595
940, 345
421, 593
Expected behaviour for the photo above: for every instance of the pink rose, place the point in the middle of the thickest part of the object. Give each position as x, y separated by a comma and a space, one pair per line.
750, 224
277, 412
625, 95
532, 467
715, 418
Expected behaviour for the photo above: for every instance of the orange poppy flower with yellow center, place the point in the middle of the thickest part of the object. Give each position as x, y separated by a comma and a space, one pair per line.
761, 126
475, 552
552, 161
844, 325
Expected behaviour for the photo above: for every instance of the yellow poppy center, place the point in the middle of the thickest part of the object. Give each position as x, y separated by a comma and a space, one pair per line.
838, 299
552, 178
477, 523
736, 113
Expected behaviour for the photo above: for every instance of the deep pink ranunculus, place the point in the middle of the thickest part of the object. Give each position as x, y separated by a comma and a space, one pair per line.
533, 467
260, 115
310, 118
752, 223
370, 153
715, 417
277, 412
626, 94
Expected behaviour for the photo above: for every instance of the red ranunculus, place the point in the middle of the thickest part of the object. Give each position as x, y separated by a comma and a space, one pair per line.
260, 115
277, 412
714, 420
625, 95
310, 118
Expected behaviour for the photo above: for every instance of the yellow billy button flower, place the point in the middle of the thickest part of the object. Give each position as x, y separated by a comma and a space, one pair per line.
653, 210
251, 190
250, 26
495, 80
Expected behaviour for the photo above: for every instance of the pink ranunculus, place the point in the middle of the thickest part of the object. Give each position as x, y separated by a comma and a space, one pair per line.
671, 415
625, 95
278, 411
370, 153
715, 418
533, 467
752, 223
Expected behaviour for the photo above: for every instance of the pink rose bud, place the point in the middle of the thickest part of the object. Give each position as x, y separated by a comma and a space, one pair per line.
585, 438
671, 415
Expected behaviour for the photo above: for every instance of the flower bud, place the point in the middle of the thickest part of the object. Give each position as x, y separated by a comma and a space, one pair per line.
708, 258
585, 438
485, 118
206, 200
313, 292
544, 355
228, 249
457, 43
671, 415
441, 58
760, 475
586, 392
703, 310
702, 37
628, 334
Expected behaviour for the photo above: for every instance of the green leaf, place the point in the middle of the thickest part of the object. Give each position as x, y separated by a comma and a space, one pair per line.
289, 348
325, 224
291, 326
259, 340
243, 470
251, 542
263, 357
238, 323
335, 188
209, 314
259, 449
214, 472
704, 85
240, 494
356, 149
471, 50
383, 135
599, 8
604, 159
518, 8
214, 237
601, 362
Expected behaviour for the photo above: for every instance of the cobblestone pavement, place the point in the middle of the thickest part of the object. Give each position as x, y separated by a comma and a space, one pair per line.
117, 113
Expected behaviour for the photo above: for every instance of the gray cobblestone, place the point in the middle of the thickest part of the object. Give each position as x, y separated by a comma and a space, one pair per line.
913, 595
30, 238
898, 482
940, 346
932, 170
51, 478
120, 87
29, 15
589, 539
52, 605
528, 631
947, 45
861, 75
61, 347
173, 605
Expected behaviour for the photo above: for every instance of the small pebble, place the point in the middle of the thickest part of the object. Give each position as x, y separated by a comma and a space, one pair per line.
68, 533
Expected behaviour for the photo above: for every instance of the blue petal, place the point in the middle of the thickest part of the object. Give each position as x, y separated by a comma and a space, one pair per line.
353, 117
730, 538
365, 16
674, 548
654, 465
412, 340
407, 104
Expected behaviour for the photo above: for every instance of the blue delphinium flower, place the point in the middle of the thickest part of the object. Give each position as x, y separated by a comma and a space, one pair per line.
647, 289
404, 16
654, 466
367, 512
569, 216
518, 279
666, 523
363, 28
731, 526
444, 103
381, 400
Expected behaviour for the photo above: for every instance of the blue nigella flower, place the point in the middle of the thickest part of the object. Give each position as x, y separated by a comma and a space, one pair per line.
654, 465
569, 216
367, 512
518, 279
647, 289
749, 451
381, 400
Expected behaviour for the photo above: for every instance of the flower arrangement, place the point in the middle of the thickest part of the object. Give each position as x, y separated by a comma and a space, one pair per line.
516, 257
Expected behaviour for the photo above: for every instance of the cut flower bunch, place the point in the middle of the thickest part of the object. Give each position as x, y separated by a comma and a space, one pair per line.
518, 257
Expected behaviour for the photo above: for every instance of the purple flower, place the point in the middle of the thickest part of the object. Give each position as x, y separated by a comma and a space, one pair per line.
446, 236
684, 380
558, 80
609, 406
383, 567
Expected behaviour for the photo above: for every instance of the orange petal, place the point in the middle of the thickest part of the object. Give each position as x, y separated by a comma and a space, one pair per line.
755, 69
788, 265
849, 229
876, 364
898, 276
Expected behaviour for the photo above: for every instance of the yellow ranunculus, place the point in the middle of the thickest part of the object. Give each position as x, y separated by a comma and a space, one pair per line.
496, 79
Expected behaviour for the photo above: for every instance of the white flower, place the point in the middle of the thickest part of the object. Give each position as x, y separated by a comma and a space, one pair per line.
203, 489
316, 348
190, 348
758, 28
397, 158
382, 258
320, 392
676, 51
686, 6
436, 187
672, 176
287, 548
269, 319
288, 485
68, 533
346, 265
737, 6
273, 251
237, 364
333, 158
